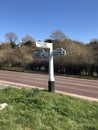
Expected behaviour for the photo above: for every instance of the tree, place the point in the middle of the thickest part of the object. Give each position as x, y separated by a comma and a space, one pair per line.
78, 53
94, 41
28, 41
49, 40
11, 37
58, 35
27, 38
94, 46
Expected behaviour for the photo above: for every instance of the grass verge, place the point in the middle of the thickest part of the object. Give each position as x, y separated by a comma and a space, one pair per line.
33, 109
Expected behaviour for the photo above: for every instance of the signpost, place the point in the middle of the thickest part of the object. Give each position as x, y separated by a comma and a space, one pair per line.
51, 86
43, 44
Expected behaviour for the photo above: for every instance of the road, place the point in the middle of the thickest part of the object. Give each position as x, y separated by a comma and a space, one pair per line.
82, 88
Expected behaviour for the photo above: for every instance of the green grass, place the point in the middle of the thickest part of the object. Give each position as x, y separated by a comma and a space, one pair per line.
33, 109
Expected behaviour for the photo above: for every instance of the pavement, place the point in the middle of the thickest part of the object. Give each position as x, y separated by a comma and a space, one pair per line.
3, 86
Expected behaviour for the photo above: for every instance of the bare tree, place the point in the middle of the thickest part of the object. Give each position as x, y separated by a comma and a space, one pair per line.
11, 37
27, 38
58, 35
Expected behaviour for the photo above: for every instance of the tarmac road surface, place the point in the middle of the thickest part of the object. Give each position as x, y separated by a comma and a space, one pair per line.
82, 88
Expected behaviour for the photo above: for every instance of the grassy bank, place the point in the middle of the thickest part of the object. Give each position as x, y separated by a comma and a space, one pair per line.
32, 109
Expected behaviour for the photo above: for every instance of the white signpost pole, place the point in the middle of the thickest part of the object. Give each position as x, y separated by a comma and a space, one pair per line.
51, 86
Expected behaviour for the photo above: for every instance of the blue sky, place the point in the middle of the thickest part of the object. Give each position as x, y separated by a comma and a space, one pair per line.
77, 19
